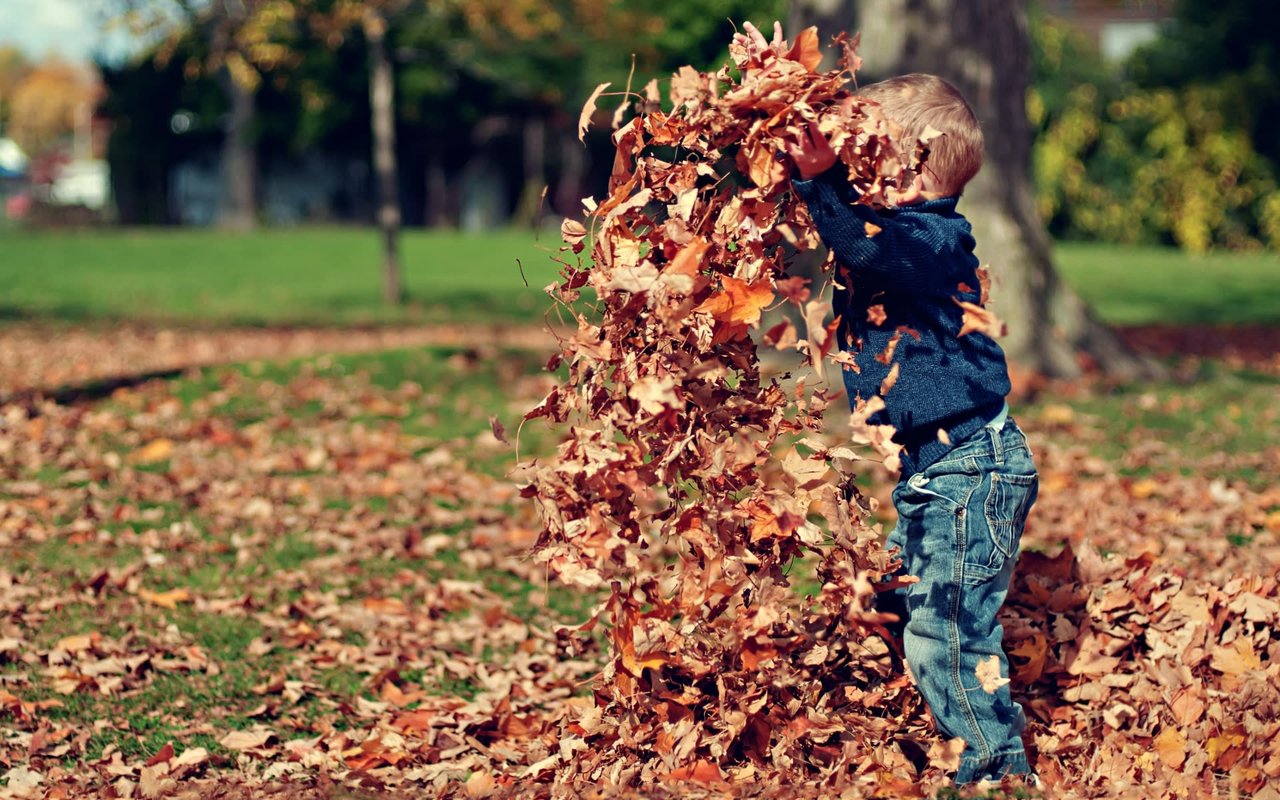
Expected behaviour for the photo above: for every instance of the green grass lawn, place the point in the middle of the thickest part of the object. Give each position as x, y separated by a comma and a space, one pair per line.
333, 275
1134, 286
313, 276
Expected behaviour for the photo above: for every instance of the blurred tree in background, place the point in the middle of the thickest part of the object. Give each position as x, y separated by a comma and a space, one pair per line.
42, 104
479, 119
1177, 145
13, 67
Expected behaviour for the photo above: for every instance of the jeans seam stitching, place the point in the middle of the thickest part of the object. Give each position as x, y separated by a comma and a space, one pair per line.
953, 619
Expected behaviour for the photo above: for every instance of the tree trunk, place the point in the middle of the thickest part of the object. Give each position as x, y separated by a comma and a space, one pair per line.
529, 208
573, 166
983, 48
437, 192
239, 158
382, 105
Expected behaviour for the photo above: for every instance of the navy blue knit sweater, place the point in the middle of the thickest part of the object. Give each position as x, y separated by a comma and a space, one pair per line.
916, 267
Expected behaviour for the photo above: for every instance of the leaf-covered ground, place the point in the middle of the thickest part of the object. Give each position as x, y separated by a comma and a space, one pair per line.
307, 578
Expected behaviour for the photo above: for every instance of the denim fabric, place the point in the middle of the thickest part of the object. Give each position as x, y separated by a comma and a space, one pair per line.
959, 526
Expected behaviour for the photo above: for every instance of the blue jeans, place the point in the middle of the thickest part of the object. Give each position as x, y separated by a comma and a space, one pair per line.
959, 526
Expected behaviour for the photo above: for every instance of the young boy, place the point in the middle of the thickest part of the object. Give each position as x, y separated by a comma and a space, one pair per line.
967, 477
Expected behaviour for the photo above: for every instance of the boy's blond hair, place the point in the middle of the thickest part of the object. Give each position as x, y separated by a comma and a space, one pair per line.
917, 102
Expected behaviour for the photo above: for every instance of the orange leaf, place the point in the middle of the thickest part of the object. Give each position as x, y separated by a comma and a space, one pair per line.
762, 165
164, 754
416, 721
739, 302
807, 49
1034, 650
754, 655
689, 260
980, 320
385, 605
701, 771
871, 228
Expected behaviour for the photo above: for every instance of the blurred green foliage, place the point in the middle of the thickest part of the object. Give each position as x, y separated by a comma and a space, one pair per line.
1176, 157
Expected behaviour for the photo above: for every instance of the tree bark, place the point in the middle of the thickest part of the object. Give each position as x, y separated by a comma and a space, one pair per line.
529, 208
437, 204
239, 158
573, 166
983, 48
382, 105
239, 150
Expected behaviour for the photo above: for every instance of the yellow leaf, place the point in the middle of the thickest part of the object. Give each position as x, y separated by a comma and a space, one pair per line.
1218, 745
169, 599
246, 740
158, 450
1058, 414
1171, 746
1143, 489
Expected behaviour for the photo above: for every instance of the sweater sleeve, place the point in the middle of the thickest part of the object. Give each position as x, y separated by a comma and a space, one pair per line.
903, 253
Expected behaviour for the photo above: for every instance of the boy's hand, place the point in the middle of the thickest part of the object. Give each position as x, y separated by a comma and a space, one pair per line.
812, 153
754, 45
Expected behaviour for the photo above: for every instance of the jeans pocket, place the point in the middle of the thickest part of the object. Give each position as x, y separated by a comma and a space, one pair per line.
1004, 513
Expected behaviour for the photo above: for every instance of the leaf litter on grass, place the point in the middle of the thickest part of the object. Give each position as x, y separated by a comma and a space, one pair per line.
307, 602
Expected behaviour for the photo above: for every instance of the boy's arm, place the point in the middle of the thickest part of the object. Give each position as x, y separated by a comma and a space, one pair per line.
897, 253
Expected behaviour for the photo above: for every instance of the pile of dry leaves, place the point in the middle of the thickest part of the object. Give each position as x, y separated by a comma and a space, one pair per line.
688, 482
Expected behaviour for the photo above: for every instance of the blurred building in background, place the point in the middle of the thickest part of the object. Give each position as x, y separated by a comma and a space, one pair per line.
1117, 27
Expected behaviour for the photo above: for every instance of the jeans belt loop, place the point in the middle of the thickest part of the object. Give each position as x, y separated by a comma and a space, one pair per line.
997, 444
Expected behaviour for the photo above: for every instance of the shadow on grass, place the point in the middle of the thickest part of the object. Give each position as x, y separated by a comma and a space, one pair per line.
85, 393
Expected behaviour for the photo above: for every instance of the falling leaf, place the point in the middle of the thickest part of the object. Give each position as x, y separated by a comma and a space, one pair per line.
740, 303
980, 320
988, 672
871, 229
499, 431
655, 393
588, 109
807, 49
945, 753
